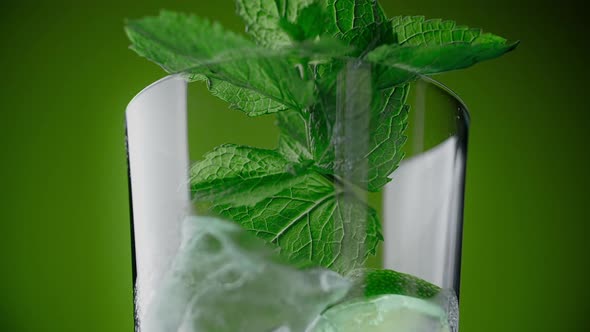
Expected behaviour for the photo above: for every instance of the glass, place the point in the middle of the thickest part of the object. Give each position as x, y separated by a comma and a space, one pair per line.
420, 210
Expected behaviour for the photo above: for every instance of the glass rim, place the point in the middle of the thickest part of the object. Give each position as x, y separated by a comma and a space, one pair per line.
463, 110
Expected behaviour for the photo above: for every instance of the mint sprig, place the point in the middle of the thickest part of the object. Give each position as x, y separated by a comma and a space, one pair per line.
305, 197
288, 204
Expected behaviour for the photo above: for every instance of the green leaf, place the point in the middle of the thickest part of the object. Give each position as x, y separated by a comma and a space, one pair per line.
427, 47
309, 134
370, 150
311, 23
229, 165
294, 140
313, 20
178, 42
350, 14
302, 212
388, 124
405, 63
245, 100
416, 31
263, 19
254, 103
192, 46
292, 29
361, 23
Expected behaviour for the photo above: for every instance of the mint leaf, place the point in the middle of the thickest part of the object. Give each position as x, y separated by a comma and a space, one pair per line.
229, 165
245, 100
294, 140
254, 103
361, 23
428, 47
313, 20
373, 148
311, 23
265, 19
350, 14
189, 45
178, 42
387, 127
406, 63
309, 134
416, 31
302, 212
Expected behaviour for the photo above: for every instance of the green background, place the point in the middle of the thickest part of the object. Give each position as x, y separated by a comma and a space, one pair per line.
64, 234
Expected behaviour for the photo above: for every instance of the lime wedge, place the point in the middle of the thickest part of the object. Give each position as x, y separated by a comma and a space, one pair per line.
386, 313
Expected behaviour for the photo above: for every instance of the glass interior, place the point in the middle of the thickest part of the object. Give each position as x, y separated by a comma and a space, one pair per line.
423, 204
171, 126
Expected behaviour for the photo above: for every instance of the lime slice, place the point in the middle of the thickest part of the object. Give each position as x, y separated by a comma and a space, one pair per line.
386, 313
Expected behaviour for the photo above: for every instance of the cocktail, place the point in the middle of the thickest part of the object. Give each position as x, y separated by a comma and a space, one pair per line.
351, 220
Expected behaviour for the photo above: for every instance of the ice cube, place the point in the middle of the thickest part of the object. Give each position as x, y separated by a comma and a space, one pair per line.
225, 279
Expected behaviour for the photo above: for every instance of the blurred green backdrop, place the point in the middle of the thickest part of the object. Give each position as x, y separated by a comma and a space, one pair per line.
64, 234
